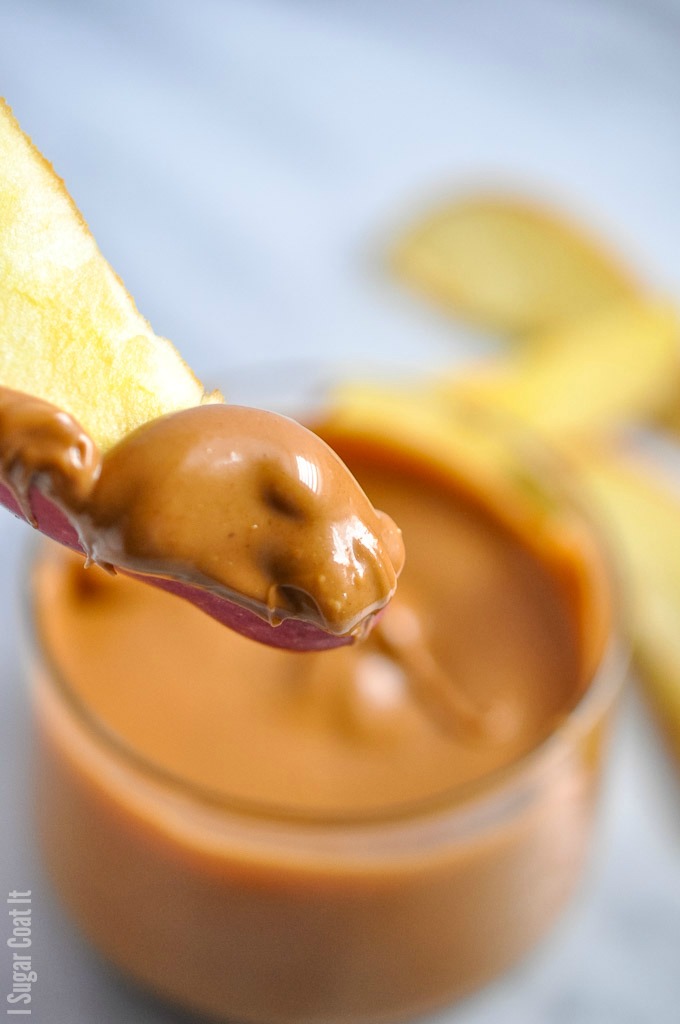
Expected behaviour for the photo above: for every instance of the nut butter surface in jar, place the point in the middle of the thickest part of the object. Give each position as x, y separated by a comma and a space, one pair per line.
355, 835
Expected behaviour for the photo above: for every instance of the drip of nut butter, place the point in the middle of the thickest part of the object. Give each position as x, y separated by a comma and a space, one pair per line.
243, 503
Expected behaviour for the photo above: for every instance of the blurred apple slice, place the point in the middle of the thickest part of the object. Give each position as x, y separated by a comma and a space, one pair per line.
458, 441
503, 467
640, 510
508, 265
589, 375
70, 334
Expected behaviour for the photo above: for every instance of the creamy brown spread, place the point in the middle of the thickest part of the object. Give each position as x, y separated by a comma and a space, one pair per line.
321, 858
41, 446
247, 504
471, 665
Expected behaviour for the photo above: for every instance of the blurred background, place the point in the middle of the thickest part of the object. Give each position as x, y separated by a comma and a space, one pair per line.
243, 165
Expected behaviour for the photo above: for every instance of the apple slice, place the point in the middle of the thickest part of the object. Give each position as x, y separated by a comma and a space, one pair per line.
589, 375
72, 338
508, 265
640, 510
455, 440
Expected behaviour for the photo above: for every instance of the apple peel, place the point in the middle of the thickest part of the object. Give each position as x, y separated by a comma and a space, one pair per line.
291, 634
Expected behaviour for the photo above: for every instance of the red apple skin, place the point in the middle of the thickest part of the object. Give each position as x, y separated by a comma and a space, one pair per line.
291, 635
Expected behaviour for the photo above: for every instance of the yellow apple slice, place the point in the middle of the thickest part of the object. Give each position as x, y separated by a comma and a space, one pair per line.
459, 441
70, 336
589, 375
422, 424
508, 265
640, 511
505, 468
69, 331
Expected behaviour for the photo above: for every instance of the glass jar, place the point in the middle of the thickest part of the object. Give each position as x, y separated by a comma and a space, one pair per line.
252, 913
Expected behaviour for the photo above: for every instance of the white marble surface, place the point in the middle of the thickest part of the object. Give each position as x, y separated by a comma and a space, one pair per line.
240, 164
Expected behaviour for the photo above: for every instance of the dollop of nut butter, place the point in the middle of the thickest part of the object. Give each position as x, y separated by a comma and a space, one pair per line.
44, 447
247, 504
